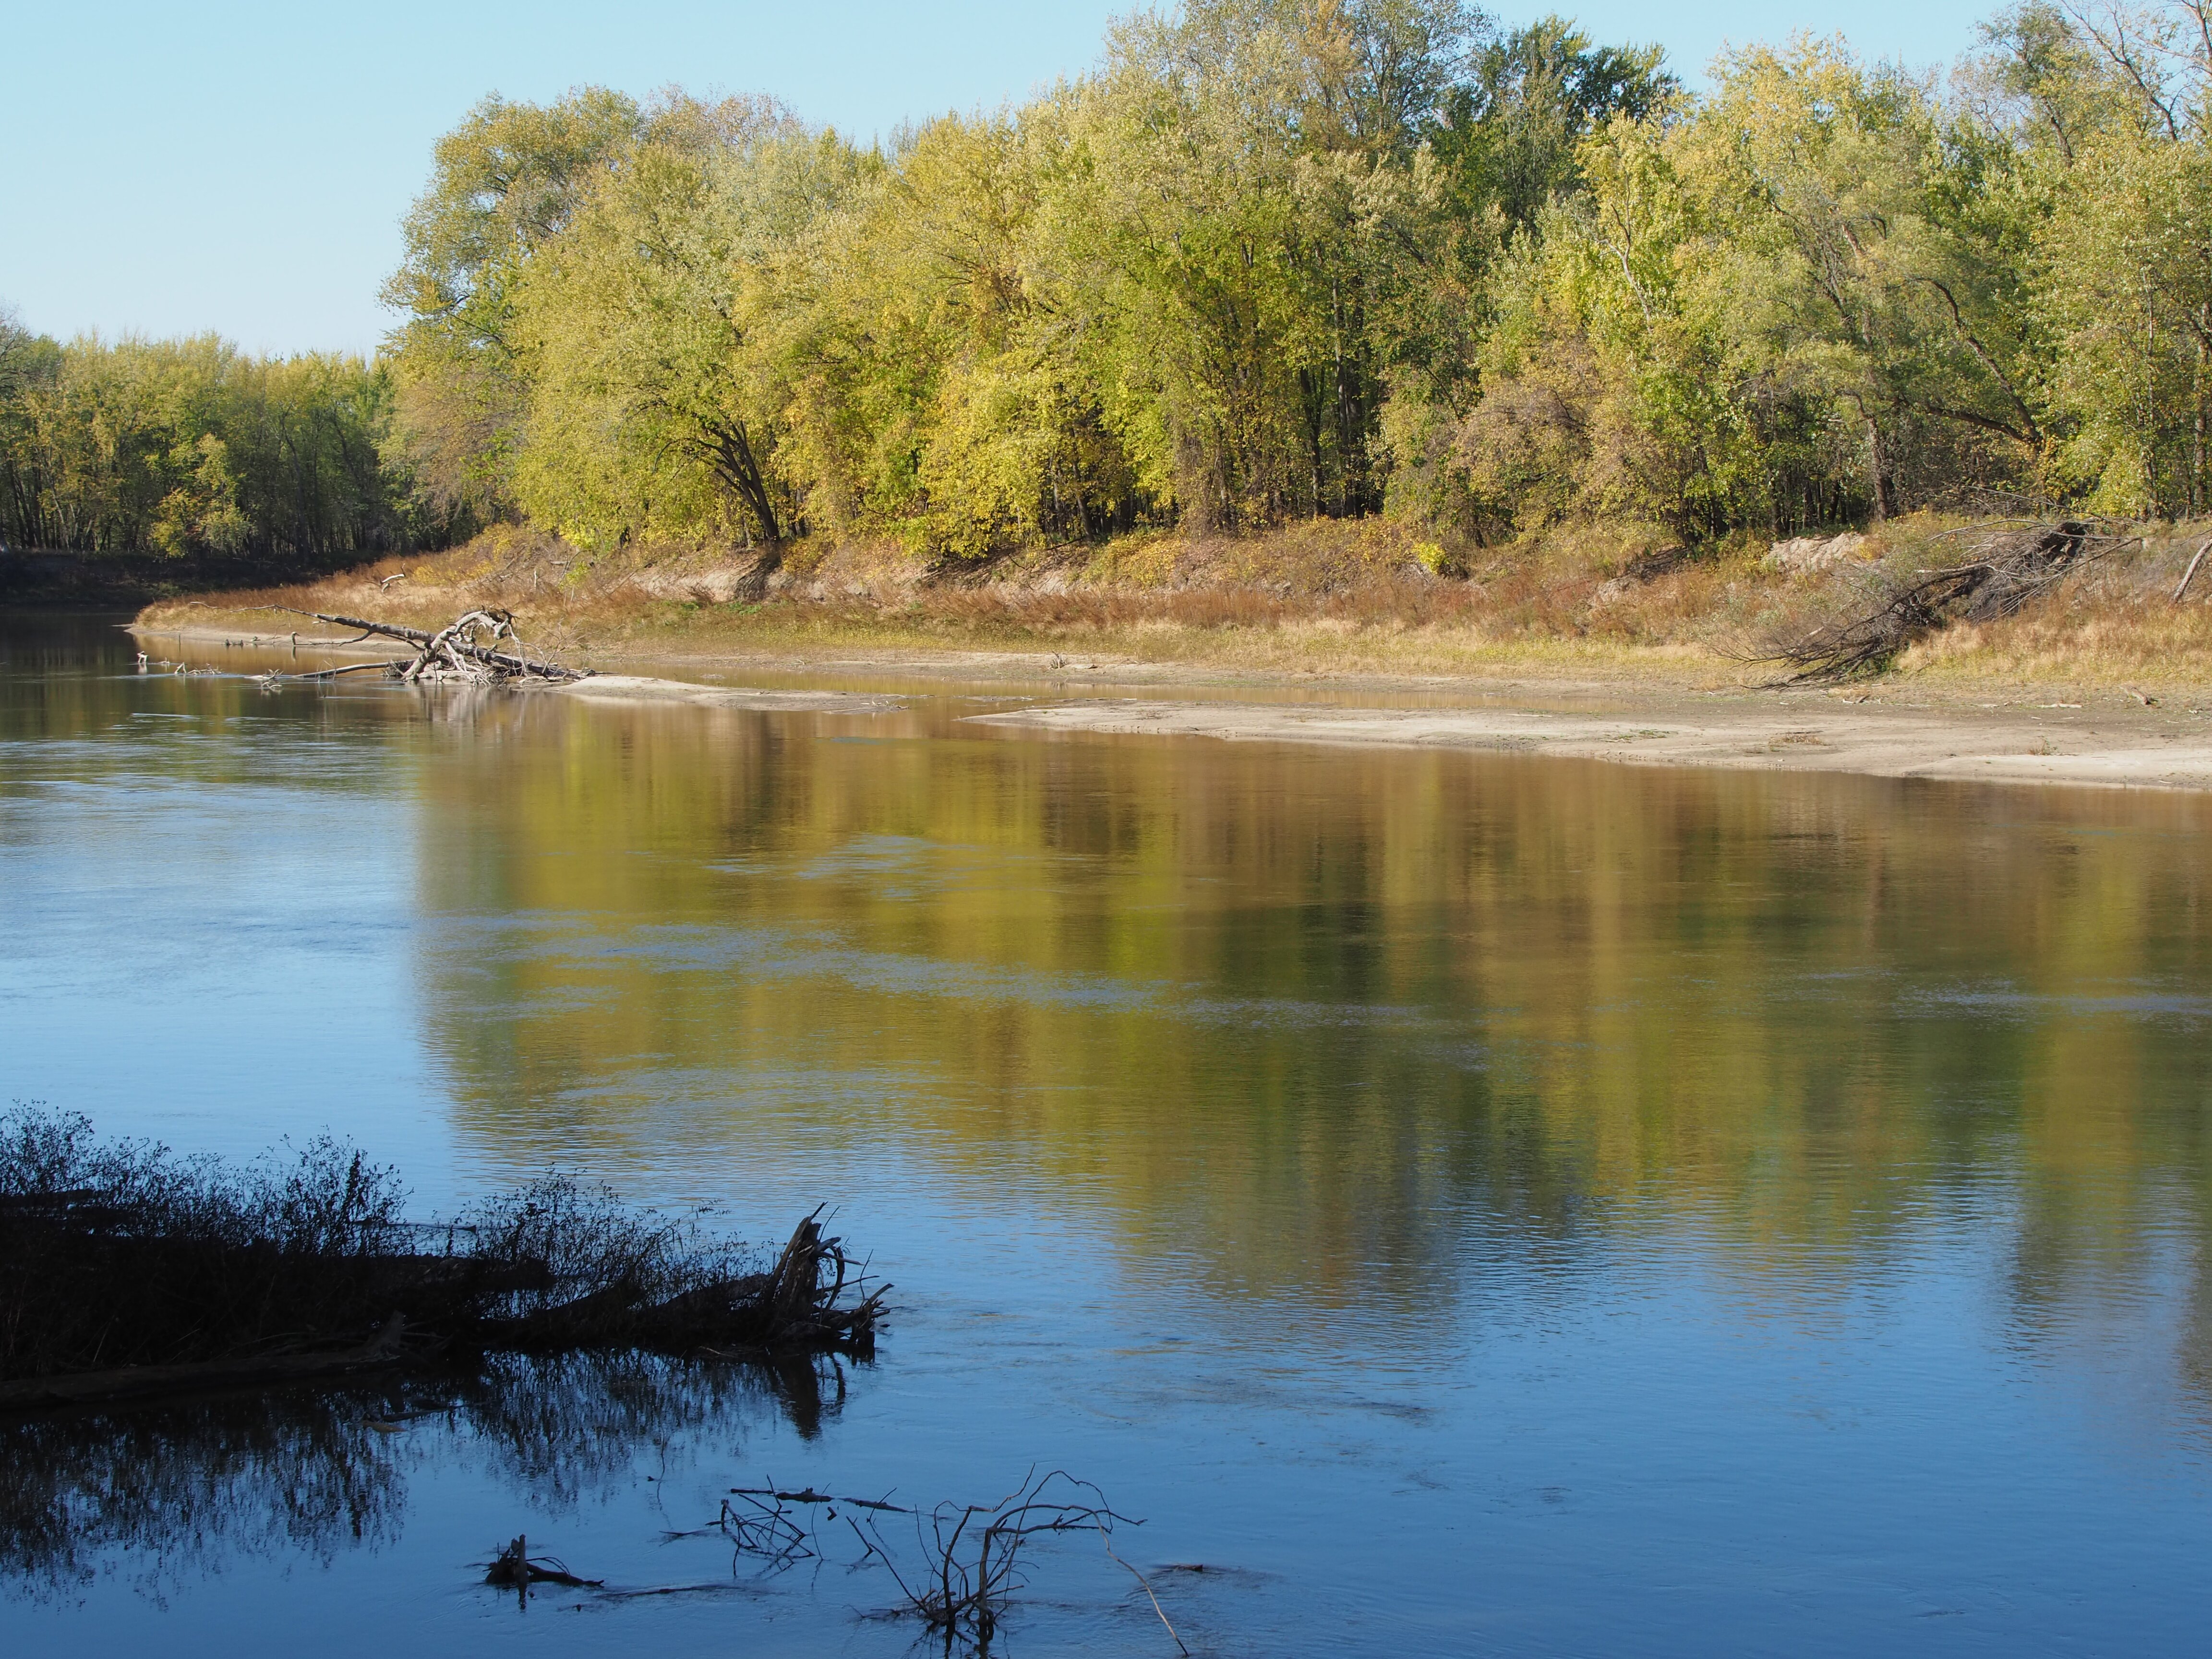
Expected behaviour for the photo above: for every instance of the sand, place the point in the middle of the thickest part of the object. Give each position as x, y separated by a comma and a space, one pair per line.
2149, 748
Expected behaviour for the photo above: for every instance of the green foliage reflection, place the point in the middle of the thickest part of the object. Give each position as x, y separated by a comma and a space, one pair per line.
1313, 1025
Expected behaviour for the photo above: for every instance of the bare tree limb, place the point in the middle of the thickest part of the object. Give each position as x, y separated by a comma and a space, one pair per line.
453, 651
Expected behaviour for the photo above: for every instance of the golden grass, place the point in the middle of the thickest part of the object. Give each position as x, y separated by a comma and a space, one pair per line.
1323, 598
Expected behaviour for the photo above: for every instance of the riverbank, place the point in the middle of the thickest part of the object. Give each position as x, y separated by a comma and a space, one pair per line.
1600, 648
1324, 598
2122, 738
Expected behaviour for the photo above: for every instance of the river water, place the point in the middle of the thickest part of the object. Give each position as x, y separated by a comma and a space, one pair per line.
1463, 1203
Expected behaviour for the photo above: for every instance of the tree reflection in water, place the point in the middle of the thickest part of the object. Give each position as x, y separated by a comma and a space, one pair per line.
165, 1493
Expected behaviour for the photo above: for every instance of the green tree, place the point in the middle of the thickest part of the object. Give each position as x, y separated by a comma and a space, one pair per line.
648, 411
193, 446
503, 184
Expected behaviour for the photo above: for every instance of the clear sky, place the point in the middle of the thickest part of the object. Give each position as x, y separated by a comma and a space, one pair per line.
243, 166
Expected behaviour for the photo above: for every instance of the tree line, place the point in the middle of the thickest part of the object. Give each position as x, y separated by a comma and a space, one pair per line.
1204, 285
190, 445
1271, 259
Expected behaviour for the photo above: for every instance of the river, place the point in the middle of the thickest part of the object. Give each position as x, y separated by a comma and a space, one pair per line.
1462, 1203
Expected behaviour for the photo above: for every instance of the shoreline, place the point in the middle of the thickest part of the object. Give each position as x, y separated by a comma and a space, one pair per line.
1888, 728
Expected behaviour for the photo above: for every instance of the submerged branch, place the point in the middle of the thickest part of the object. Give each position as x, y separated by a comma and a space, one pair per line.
971, 1553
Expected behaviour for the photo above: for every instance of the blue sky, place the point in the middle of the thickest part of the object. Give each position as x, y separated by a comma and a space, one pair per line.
243, 167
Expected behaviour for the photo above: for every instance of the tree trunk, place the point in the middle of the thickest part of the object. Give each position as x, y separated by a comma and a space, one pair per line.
2197, 424
734, 462
1884, 503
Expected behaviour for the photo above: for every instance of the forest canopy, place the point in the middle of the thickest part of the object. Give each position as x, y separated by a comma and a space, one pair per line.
1271, 259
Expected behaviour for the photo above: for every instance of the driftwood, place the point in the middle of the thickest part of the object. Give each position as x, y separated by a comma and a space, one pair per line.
457, 651
2013, 564
966, 1596
515, 1568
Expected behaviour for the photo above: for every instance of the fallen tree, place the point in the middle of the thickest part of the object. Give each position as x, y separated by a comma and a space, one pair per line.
2012, 564
457, 651
127, 1273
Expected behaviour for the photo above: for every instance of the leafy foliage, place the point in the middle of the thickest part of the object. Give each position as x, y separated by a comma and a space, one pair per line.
1830, 290
1273, 259
1182, 289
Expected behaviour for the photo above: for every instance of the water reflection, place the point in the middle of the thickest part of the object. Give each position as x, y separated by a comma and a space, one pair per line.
174, 1489
166, 1493
1341, 1030
1338, 1030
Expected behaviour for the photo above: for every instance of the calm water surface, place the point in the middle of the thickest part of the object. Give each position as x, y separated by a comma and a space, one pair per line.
1468, 1204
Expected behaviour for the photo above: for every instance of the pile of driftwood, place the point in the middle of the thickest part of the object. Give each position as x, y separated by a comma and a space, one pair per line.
2011, 563
465, 649
126, 1272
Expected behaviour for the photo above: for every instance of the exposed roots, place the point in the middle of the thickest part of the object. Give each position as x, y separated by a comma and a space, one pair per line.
576, 1271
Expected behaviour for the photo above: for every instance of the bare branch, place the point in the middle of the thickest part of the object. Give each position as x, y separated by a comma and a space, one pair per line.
453, 652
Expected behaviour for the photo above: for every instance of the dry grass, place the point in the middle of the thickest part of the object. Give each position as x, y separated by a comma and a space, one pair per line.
2118, 627
1325, 597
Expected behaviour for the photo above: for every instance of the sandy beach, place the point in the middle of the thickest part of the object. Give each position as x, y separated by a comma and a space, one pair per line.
2145, 748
